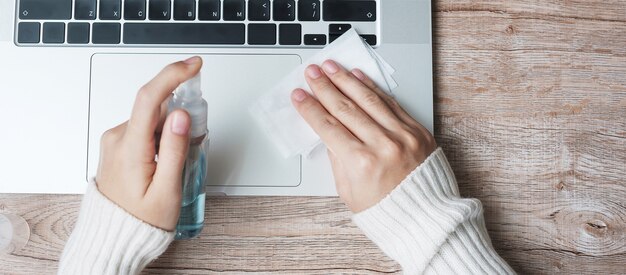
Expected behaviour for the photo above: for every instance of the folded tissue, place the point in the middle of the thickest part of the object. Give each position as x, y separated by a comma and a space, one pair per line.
275, 114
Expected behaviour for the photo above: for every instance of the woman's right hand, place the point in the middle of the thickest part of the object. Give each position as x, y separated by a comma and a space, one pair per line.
373, 144
128, 174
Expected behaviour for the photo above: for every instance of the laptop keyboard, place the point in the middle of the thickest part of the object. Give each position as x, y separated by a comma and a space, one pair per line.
239, 23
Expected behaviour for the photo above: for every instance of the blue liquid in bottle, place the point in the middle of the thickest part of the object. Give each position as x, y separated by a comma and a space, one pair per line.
191, 218
188, 97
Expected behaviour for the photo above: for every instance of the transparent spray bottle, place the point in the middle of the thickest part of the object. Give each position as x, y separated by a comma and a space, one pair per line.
188, 97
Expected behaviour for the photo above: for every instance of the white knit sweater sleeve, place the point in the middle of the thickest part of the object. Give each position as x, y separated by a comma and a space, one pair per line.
428, 228
109, 240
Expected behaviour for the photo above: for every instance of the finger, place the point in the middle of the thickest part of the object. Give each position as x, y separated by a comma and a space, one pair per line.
172, 154
362, 95
336, 137
146, 111
413, 126
390, 101
342, 108
163, 114
116, 132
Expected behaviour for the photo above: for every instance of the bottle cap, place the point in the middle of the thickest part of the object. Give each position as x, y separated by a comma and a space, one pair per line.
188, 96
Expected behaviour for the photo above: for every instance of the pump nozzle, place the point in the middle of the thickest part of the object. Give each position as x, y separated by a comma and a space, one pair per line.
188, 96
190, 88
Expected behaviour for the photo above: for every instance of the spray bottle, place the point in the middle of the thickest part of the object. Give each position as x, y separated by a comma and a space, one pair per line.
188, 96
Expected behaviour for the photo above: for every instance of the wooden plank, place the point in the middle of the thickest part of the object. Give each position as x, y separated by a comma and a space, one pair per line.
530, 108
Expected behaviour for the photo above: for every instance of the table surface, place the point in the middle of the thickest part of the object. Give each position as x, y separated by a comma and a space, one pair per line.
530, 108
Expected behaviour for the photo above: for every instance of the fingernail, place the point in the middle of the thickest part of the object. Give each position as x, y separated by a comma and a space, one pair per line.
359, 74
313, 72
298, 95
192, 60
180, 125
330, 67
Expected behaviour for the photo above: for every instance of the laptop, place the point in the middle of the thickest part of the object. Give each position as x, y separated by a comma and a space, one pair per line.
70, 70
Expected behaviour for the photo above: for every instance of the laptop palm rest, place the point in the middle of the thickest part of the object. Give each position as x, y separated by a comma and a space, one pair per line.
239, 153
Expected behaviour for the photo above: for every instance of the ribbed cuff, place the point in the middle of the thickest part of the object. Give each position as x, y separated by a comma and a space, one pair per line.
425, 226
109, 240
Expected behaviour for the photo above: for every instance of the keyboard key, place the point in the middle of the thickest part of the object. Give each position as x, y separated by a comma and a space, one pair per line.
110, 9
106, 33
209, 10
355, 10
314, 39
135, 9
28, 32
309, 10
369, 38
184, 9
284, 10
53, 33
259, 10
184, 33
85, 10
234, 10
159, 10
45, 9
78, 33
338, 28
290, 34
261, 34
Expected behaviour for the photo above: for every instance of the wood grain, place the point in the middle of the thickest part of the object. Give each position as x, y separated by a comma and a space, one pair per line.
530, 107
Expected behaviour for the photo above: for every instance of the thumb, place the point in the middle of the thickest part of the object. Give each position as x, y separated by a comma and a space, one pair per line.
167, 178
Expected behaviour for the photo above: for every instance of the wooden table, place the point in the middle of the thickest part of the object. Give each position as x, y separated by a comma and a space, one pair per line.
530, 108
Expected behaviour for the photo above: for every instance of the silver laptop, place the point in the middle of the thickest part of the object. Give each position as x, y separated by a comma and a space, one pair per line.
70, 70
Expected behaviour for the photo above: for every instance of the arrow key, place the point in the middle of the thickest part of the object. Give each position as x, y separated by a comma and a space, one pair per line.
314, 39
338, 28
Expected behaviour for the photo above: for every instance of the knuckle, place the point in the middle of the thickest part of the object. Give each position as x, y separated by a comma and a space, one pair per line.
371, 99
307, 107
342, 76
329, 121
174, 68
143, 94
430, 140
391, 148
175, 71
392, 102
412, 142
365, 160
324, 85
175, 155
374, 86
108, 137
346, 107
417, 140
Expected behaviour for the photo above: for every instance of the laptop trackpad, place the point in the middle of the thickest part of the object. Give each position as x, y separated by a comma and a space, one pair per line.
239, 153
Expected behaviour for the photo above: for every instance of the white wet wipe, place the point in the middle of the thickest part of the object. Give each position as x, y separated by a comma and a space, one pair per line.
275, 114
